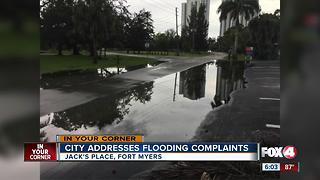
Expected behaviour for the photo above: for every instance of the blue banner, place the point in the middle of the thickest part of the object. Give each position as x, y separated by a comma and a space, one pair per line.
158, 147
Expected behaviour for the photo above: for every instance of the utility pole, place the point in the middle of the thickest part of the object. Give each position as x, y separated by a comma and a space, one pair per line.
177, 34
177, 21
175, 87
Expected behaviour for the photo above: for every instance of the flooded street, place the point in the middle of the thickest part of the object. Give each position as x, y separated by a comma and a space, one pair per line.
170, 108
162, 110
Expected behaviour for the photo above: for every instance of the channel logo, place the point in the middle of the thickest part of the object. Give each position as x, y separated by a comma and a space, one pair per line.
289, 152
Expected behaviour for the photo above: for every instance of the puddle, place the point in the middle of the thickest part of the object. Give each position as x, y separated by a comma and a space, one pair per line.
66, 79
170, 108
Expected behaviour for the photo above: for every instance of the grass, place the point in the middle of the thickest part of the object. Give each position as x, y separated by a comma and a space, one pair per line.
170, 53
240, 57
23, 43
146, 53
55, 63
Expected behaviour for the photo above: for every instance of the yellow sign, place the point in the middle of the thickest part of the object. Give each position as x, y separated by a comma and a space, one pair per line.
99, 138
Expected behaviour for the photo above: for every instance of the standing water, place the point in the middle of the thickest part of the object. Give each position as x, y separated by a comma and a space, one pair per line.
170, 108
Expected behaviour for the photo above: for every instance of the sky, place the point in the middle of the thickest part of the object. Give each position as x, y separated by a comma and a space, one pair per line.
164, 16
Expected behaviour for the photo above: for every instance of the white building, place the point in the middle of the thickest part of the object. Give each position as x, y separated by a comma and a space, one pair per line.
186, 10
228, 22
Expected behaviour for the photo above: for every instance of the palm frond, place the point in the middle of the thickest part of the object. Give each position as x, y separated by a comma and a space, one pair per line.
247, 8
225, 8
254, 4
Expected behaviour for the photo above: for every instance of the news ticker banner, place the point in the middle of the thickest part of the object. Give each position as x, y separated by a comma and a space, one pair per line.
132, 148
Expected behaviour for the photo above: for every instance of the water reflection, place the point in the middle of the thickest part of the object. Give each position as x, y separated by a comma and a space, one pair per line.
148, 108
108, 72
192, 82
65, 79
101, 112
229, 78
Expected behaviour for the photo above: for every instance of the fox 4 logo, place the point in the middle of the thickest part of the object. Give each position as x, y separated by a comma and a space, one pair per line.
289, 152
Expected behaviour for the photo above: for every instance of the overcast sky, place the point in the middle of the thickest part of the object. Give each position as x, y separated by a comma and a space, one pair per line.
163, 12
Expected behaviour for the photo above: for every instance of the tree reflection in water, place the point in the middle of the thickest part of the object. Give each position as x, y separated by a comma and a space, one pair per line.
102, 112
229, 78
192, 82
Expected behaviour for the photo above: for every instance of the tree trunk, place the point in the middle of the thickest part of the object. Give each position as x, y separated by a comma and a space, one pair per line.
94, 48
76, 50
91, 50
235, 44
59, 49
17, 24
236, 38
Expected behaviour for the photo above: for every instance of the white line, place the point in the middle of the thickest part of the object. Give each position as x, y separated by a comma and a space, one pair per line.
157, 68
278, 86
268, 78
273, 126
264, 67
271, 99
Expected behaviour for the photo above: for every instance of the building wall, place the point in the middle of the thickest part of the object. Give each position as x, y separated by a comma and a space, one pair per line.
183, 14
186, 10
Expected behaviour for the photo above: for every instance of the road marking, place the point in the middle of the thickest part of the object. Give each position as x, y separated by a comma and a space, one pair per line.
157, 68
264, 67
270, 99
273, 126
268, 78
278, 86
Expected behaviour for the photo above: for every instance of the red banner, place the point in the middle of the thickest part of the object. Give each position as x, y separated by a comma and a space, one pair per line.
40, 152
287, 167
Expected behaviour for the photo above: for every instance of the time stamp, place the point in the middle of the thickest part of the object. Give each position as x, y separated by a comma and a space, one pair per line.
282, 167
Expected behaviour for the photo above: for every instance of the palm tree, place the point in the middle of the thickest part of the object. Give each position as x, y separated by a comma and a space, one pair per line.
237, 8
